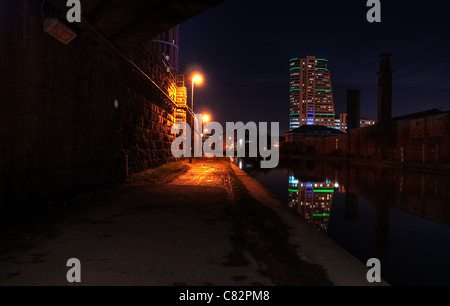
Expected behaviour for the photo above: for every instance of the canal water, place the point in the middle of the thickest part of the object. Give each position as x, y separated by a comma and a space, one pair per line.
399, 217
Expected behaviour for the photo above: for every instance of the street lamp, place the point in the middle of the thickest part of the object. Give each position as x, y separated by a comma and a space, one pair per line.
196, 79
206, 118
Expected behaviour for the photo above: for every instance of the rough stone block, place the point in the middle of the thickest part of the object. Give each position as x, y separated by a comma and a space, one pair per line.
11, 127
5, 160
12, 96
34, 131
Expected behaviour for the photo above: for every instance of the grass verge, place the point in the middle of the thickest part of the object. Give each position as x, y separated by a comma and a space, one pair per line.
163, 173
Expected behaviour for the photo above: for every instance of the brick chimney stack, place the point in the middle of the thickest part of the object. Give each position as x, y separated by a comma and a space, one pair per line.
385, 88
353, 108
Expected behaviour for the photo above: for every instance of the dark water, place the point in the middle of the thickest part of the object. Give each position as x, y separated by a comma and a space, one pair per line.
399, 217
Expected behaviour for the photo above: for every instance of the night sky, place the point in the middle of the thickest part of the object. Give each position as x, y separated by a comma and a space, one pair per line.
243, 49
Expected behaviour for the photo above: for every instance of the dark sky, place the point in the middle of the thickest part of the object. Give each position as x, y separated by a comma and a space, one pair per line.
243, 48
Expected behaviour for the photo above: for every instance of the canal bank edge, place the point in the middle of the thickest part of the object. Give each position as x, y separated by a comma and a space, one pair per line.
312, 246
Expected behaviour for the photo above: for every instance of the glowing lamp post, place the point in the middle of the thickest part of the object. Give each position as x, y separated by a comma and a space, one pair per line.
206, 118
196, 79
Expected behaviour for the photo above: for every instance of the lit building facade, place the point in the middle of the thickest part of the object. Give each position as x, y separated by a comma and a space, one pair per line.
340, 122
367, 122
311, 93
181, 100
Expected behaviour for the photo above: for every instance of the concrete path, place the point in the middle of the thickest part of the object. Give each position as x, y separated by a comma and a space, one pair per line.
186, 232
312, 246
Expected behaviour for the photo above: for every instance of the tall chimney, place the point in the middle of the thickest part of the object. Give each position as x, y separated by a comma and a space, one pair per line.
385, 88
353, 108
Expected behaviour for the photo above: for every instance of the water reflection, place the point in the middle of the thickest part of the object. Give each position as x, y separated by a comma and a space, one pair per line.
312, 199
400, 217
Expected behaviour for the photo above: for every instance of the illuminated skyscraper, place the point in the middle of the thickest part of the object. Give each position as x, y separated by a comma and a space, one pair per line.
311, 93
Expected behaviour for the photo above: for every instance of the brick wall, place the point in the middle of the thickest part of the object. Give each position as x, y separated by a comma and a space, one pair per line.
59, 128
423, 137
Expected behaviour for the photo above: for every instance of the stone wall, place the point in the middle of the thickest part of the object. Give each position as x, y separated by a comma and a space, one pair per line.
60, 130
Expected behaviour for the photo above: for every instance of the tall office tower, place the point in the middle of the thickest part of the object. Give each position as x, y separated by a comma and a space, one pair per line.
311, 94
166, 46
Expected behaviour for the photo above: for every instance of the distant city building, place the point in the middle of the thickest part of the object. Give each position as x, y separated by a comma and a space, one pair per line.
340, 122
166, 46
367, 122
311, 93
311, 131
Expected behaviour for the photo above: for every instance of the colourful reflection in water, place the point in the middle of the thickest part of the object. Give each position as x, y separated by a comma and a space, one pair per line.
312, 199
400, 217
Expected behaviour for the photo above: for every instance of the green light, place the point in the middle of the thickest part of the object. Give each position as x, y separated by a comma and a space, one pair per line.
324, 90
295, 68
294, 90
324, 191
322, 59
321, 215
293, 190
322, 69
294, 59
294, 114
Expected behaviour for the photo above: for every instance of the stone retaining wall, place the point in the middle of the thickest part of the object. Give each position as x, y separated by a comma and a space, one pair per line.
60, 130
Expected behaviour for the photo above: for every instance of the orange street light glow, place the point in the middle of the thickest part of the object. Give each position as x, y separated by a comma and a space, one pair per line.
206, 118
197, 79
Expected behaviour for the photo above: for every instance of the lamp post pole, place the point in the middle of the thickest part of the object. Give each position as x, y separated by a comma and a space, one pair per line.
192, 97
196, 79
192, 122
